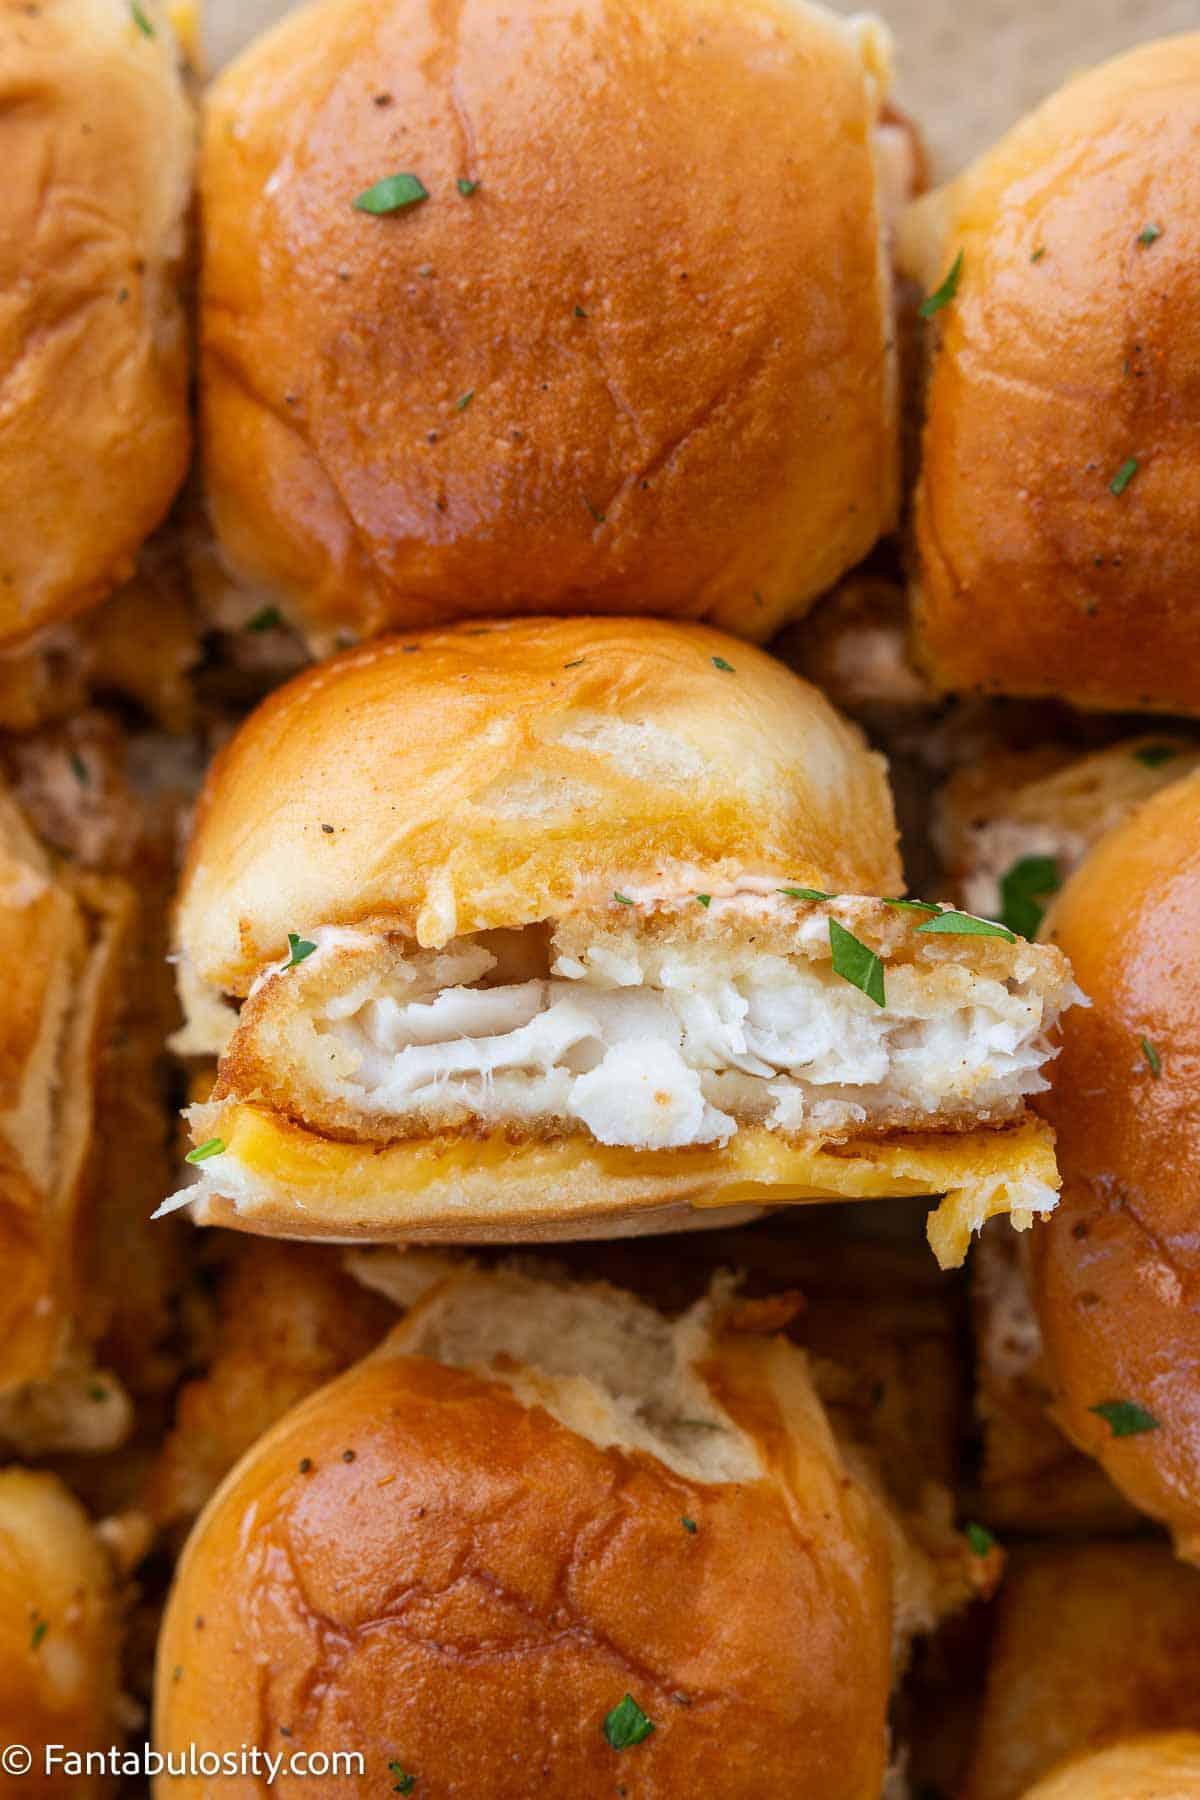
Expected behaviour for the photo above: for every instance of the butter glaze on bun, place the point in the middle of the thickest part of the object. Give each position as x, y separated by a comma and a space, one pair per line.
96, 141
568, 893
645, 364
495, 775
1114, 1270
1056, 509
464, 1553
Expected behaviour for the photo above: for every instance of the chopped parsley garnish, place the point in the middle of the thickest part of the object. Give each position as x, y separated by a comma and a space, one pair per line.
268, 619
942, 296
1149, 233
305, 1465
1125, 1418
97, 1393
140, 20
626, 1725
1037, 255
980, 1539
704, 899
726, 668
622, 899
464, 400
1153, 756
392, 194
913, 905
1123, 476
794, 893
1152, 1057
594, 510
202, 1152
465, 187
80, 769
40, 1628
405, 1783
856, 963
300, 949
958, 924
1029, 880
577, 664
579, 312
689, 1525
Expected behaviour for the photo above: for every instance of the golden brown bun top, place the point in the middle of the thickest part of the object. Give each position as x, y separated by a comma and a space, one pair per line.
495, 775
1093, 1643
1165, 1767
644, 366
418, 1563
1116, 1266
59, 1633
1067, 351
96, 146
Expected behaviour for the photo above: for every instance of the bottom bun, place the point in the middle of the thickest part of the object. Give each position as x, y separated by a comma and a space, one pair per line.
278, 1178
544, 1542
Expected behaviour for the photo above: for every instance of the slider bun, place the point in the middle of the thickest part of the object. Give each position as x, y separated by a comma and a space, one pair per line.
1048, 374
62, 937
1093, 1643
497, 1549
97, 148
282, 1179
715, 437
1115, 1267
495, 776
1157, 1767
60, 1634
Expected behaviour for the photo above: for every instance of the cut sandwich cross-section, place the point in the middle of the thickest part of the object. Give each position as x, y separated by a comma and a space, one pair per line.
679, 978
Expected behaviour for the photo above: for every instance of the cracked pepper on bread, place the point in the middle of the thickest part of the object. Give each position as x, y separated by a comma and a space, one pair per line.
557, 927
584, 311
544, 1496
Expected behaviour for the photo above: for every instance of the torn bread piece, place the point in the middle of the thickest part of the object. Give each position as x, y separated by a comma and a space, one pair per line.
559, 969
556, 1470
1015, 824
